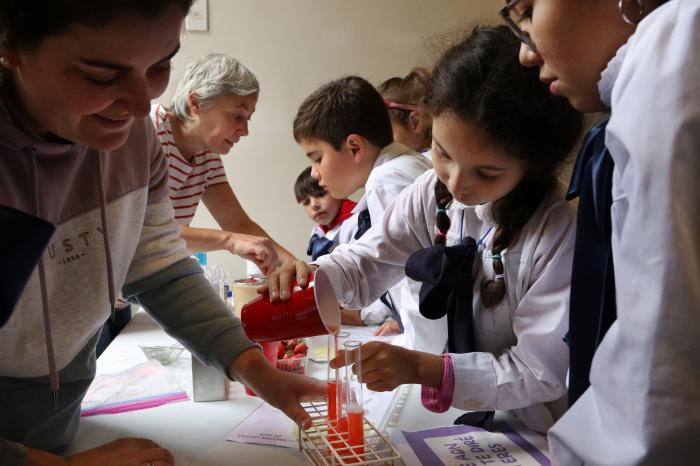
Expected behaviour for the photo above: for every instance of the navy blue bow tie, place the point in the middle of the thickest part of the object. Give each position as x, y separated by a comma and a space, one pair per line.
447, 289
318, 246
447, 284
364, 223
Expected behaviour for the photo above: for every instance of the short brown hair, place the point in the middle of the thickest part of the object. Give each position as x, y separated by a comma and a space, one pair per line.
349, 105
307, 186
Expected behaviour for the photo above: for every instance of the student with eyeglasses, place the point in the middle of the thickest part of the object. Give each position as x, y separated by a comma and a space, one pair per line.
638, 60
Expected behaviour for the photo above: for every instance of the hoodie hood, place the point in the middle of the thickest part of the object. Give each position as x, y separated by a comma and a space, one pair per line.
17, 131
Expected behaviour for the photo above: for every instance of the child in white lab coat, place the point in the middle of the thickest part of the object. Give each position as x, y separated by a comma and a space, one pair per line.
637, 59
344, 129
498, 140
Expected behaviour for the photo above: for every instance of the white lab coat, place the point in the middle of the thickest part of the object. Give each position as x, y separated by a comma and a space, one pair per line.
396, 168
643, 406
522, 359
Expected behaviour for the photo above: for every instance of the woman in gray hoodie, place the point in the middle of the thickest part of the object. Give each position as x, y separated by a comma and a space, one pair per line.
77, 149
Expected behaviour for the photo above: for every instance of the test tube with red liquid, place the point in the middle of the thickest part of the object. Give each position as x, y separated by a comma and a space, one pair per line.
335, 392
353, 407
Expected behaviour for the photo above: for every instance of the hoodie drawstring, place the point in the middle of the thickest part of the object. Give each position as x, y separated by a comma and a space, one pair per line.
53, 373
105, 237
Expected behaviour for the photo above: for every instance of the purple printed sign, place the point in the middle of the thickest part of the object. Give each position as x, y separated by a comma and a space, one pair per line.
472, 446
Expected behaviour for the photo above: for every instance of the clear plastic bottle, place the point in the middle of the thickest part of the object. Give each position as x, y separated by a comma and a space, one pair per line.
229, 300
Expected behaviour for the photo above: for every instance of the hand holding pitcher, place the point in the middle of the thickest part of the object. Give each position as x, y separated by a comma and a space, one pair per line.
280, 282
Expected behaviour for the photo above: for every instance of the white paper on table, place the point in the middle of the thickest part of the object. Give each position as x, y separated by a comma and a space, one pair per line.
270, 426
266, 426
458, 445
366, 333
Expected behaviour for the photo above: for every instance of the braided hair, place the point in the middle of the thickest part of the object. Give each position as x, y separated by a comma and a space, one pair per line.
443, 198
481, 81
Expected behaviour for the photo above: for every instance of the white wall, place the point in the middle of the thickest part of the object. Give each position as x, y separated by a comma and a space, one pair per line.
293, 46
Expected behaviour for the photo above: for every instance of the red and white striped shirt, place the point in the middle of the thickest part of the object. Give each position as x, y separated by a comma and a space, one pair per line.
187, 181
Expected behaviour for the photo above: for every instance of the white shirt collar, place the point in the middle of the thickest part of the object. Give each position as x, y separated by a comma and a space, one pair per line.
386, 154
609, 76
389, 152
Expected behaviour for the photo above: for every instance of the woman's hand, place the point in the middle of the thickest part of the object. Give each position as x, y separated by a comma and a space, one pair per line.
258, 249
279, 282
389, 327
121, 452
385, 366
283, 390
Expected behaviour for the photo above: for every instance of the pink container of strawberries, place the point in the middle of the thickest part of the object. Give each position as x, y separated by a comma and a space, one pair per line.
292, 355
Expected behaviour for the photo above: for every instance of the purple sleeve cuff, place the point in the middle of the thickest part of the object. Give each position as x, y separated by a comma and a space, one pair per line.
438, 400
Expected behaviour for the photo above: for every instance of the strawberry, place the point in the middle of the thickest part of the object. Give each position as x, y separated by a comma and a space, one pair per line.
291, 344
299, 355
300, 348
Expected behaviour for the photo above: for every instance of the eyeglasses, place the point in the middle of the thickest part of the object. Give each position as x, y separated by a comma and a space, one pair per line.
513, 19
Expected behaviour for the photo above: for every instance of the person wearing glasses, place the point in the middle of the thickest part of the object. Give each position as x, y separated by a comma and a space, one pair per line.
638, 60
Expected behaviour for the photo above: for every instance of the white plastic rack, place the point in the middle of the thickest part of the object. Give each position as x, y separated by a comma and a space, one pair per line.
319, 450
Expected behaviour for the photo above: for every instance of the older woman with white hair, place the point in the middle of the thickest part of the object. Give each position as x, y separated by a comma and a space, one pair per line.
208, 115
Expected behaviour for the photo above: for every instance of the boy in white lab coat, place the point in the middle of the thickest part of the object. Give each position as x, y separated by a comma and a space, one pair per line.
344, 129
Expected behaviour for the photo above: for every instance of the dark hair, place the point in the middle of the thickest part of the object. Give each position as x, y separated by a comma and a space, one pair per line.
349, 105
481, 81
26, 23
306, 186
408, 90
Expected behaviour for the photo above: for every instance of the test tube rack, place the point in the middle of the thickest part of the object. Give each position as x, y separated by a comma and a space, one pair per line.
314, 442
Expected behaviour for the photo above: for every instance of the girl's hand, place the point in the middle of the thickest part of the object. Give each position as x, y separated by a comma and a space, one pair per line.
384, 366
390, 327
123, 452
279, 282
258, 249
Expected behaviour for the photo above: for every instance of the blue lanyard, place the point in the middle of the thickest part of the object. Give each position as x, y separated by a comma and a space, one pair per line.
478, 243
483, 238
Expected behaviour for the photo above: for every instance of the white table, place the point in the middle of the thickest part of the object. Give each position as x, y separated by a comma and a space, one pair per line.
196, 431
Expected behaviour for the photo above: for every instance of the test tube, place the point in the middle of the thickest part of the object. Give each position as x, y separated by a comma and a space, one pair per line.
353, 408
335, 392
332, 375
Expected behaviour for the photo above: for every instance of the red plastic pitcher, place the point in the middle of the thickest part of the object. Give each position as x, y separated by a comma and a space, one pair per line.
308, 312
